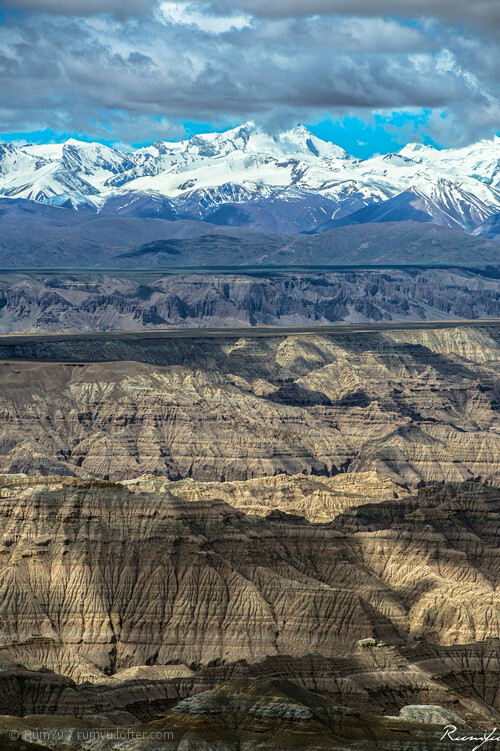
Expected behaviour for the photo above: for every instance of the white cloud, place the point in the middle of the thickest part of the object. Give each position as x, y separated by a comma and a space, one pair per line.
191, 15
119, 77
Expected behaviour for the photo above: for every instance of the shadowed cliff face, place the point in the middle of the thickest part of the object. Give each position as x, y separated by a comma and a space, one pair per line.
99, 302
273, 713
111, 579
119, 605
176, 583
414, 406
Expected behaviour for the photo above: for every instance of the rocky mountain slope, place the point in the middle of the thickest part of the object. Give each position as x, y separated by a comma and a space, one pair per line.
315, 497
66, 301
272, 714
33, 235
121, 605
289, 182
415, 406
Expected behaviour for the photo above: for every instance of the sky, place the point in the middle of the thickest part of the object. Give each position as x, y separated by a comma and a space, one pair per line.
370, 76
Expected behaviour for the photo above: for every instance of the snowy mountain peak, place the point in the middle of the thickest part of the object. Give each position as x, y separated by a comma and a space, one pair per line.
301, 141
251, 139
416, 148
285, 181
79, 144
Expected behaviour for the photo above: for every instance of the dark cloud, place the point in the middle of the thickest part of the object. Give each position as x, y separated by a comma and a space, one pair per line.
137, 78
121, 8
486, 12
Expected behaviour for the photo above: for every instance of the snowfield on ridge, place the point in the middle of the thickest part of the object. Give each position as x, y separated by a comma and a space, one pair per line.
291, 182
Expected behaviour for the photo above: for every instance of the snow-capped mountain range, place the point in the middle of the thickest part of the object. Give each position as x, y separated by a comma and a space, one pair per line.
291, 182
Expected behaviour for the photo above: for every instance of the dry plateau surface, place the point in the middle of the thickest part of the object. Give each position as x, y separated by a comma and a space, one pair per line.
413, 406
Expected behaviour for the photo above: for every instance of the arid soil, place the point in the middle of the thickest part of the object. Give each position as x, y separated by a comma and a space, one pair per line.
250, 543
96, 301
412, 406
120, 602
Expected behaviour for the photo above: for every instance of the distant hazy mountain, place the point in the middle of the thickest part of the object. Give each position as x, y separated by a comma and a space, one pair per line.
103, 301
291, 182
38, 235
489, 228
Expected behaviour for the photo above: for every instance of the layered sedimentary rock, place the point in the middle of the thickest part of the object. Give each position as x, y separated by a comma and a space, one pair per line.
96, 579
315, 497
93, 301
277, 714
120, 601
255, 533
255, 714
413, 406
379, 681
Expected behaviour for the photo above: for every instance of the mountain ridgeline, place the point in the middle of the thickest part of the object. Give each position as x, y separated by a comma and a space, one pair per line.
289, 182
245, 197
127, 301
35, 235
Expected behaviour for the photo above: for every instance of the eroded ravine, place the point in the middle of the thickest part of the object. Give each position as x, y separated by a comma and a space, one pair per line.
415, 407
